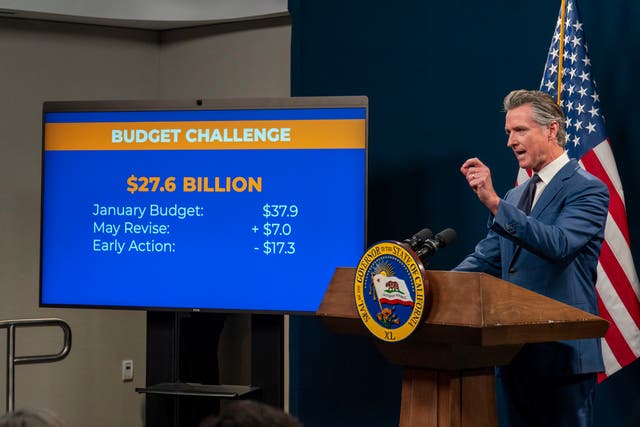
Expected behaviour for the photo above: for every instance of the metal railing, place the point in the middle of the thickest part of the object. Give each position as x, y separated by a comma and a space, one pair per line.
13, 360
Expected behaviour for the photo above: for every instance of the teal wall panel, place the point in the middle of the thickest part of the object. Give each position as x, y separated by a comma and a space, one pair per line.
435, 73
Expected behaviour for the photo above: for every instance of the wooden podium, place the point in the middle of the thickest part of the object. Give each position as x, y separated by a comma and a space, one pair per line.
475, 322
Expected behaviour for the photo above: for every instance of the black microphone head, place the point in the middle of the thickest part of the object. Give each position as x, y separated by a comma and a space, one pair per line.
446, 237
419, 237
423, 235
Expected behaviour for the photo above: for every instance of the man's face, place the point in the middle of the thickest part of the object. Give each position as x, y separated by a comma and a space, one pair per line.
534, 146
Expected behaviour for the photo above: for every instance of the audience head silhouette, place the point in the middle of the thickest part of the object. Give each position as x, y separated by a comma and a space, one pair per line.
249, 413
30, 418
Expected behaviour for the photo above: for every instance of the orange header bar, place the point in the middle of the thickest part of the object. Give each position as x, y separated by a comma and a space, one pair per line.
213, 135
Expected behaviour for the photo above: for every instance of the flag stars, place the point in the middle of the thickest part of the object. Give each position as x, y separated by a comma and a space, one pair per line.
554, 53
577, 26
575, 41
584, 76
596, 97
573, 58
570, 89
593, 111
587, 61
549, 85
583, 92
591, 127
578, 125
580, 108
576, 140
570, 106
572, 72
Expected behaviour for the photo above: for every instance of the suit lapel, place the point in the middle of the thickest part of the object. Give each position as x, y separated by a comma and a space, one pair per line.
553, 188
550, 192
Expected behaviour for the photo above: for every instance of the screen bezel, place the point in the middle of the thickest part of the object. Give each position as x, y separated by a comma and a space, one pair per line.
194, 105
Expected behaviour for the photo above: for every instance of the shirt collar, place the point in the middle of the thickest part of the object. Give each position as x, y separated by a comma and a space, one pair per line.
547, 173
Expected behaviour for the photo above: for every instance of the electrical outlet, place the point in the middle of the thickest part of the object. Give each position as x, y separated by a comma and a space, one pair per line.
127, 370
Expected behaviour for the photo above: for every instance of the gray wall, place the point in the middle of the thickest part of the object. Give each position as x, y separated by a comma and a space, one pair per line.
244, 59
54, 61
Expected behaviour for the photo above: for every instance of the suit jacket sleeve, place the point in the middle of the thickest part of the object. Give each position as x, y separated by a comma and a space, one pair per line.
486, 256
561, 229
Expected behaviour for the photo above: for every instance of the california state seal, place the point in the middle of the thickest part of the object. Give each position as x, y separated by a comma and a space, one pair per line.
390, 290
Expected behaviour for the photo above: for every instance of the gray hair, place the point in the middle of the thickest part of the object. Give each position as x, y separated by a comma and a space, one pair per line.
31, 418
544, 107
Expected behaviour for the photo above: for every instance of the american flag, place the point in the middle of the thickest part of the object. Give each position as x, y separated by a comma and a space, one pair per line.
617, 284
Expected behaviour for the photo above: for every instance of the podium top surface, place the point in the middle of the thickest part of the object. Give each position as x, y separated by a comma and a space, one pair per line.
474, 309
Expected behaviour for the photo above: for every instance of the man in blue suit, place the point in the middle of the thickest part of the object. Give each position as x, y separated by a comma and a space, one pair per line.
544, 235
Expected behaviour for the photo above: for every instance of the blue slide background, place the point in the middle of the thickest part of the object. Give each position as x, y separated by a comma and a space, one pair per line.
214, 265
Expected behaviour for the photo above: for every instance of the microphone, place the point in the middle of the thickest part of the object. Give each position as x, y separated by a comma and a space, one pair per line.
418, 239
440, 240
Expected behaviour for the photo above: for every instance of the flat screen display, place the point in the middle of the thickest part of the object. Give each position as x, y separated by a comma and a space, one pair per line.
220, 205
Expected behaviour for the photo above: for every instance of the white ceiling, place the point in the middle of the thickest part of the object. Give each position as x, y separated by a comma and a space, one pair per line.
146, 14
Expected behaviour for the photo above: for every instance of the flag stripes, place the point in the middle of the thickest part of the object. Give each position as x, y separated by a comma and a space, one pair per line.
617, 283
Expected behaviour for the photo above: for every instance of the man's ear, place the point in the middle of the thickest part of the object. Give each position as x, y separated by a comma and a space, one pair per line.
553, 131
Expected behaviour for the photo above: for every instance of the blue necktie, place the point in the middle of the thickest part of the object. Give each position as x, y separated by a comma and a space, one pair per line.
527, 196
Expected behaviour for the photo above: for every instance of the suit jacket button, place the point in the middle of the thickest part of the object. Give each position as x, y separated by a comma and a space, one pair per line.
512, 270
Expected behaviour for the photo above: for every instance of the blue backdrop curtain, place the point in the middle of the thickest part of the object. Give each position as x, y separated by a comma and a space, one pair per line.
435, 73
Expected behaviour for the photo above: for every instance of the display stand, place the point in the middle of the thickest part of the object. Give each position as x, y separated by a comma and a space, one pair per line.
183, 383
475, 322
202, 390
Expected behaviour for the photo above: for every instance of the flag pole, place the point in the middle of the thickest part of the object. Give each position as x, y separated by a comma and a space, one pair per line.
563, 8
